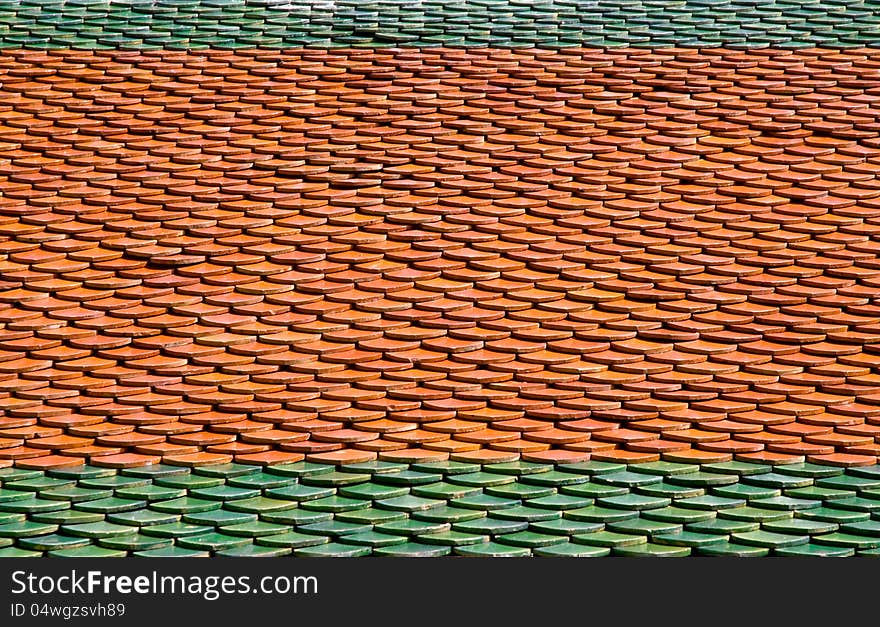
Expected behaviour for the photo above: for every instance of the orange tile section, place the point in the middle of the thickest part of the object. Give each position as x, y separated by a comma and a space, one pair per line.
347, 255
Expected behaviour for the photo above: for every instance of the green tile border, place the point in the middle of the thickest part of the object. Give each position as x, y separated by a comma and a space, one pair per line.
191, 24
497, 510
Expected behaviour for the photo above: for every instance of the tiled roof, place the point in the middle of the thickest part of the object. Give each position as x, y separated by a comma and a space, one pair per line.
470, 277
415, 256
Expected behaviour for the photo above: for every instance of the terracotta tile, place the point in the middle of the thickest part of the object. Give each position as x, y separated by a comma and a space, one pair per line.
768, 457
542, 293
47, 462
697, 456
196, 459
345, 456
484, 456
841, 459
625, 456
125, 460
411, 455
557, 456
269, 458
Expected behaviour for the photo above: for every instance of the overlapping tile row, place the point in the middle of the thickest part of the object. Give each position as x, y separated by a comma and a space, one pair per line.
589, 509
501, 23
481, 255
